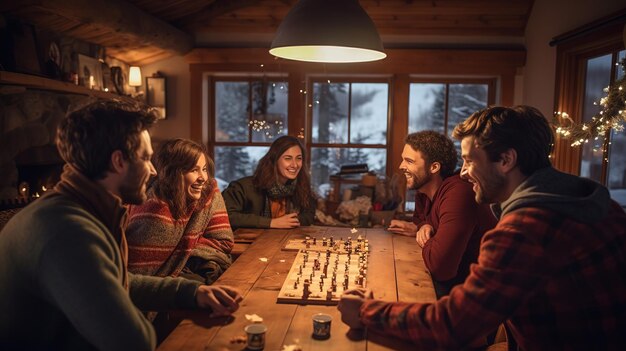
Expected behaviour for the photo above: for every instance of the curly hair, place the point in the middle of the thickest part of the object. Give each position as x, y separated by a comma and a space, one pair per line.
522, 128
174, 159
88, 136
266, 173
435, 147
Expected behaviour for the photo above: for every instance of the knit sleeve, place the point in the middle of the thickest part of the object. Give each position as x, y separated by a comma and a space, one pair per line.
159, 294
217, 239
92, 297
151, 236
218, 233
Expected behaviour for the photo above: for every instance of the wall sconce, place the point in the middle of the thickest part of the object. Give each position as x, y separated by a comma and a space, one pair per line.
333, 31
134, 76
134, 80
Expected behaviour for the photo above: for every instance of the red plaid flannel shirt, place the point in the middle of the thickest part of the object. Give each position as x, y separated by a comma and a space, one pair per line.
559, 285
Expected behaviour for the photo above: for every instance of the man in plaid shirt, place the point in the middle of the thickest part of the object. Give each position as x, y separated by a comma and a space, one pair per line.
553, 269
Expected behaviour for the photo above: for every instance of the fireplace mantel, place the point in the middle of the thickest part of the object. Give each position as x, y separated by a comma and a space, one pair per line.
35, 82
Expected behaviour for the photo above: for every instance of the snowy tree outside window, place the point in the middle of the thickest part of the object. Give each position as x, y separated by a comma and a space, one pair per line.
249, 115
440, 107
349, 126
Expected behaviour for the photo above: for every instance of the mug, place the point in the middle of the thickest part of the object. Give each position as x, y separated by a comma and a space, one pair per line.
255, 336
321, 326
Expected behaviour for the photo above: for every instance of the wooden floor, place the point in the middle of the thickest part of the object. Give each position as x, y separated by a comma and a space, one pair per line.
395, 271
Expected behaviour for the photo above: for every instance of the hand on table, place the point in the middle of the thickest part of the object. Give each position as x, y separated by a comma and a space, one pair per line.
402, 227
223, 300
290, 220
423, 234
350, 306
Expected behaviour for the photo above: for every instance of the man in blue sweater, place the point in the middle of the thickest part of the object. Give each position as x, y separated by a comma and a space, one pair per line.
64, 283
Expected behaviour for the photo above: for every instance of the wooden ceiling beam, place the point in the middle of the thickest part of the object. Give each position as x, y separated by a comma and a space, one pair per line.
214, 9
139, 28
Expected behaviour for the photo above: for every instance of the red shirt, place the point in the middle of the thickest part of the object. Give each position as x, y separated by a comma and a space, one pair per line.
459, 224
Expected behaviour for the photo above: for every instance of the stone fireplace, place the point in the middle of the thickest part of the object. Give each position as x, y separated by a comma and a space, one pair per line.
29, 161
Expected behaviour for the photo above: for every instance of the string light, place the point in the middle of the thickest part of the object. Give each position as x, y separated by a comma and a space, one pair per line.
261, 126
611, 116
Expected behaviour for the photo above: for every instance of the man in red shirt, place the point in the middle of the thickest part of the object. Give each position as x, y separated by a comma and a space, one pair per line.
447, 223
553, 269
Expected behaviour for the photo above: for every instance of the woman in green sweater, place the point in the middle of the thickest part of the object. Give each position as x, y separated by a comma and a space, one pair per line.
279, 193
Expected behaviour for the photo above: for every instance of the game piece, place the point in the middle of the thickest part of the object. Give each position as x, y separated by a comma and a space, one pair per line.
312, 244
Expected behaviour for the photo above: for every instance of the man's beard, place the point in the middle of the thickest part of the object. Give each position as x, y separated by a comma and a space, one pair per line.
419, 180
488, 188
132, 191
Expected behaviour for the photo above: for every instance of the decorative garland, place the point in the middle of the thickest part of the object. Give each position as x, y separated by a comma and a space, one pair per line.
611, 116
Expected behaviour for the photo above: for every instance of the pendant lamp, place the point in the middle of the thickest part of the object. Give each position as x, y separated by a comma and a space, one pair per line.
333, 31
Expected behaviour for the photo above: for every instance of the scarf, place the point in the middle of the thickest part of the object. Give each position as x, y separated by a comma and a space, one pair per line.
279, 193
102, 204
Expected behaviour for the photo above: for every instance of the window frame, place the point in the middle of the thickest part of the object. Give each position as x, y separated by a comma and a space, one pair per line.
491, 83
574, 49
400, 66
212, 118
347, 79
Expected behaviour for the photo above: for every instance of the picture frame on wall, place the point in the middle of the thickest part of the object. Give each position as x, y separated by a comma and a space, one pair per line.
89, 72
156, 94
18, 48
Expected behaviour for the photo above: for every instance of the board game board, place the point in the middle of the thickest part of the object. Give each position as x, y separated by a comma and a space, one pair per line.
320, 277
313, 243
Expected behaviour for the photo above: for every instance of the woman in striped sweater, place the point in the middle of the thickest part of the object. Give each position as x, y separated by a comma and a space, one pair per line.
183, 228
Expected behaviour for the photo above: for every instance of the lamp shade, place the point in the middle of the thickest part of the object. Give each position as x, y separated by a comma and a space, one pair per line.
333, 31
134, 76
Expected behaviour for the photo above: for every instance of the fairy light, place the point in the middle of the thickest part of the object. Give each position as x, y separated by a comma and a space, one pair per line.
264, 127
611, 116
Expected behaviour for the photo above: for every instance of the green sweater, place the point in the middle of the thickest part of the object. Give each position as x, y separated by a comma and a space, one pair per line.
62, 281
246, 205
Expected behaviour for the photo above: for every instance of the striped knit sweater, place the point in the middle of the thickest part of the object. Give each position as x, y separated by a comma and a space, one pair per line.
159, 245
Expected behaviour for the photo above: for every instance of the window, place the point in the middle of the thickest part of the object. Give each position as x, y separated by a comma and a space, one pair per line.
361, 115
440, 106
587, 62
348, 126
248, 115
348, 121
609, 168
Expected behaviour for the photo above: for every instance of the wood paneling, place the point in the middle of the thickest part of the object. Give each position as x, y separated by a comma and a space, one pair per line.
109, 23
398, 61
139, 32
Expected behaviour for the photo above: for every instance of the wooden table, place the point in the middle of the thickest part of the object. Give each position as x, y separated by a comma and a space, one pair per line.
396, 271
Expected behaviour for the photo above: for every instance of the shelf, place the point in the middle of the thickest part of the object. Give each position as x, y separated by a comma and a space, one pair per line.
36, 82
